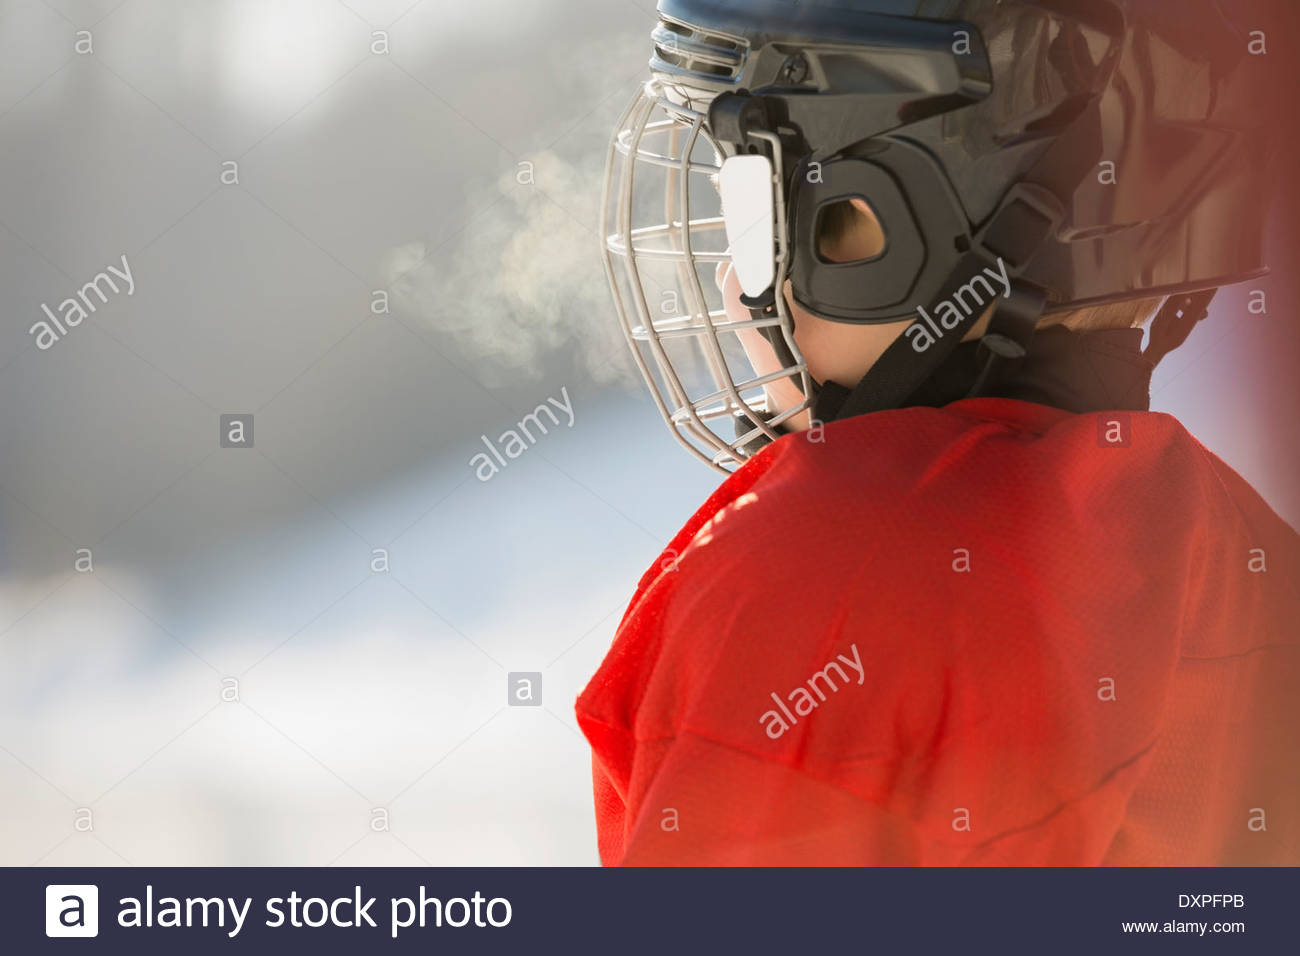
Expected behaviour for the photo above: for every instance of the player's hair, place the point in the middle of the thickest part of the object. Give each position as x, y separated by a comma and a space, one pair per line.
1130, 314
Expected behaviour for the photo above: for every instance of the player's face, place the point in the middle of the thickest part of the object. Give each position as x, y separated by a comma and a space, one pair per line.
835, 351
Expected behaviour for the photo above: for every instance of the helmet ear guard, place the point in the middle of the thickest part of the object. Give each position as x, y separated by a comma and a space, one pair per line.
925, 237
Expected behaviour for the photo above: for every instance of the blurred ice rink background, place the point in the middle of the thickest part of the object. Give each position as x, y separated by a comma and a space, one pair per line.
451, 160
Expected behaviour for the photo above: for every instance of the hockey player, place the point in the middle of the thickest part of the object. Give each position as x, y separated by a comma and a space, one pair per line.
964, 600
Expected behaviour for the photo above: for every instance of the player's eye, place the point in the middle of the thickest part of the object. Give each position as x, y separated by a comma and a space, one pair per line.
848, 231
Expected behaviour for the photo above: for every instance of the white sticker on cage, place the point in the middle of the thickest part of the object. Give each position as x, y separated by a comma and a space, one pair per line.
745, 183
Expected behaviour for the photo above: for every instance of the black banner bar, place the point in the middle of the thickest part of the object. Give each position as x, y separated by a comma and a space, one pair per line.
630, 911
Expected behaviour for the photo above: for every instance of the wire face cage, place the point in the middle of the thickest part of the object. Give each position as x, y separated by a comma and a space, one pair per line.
709, 361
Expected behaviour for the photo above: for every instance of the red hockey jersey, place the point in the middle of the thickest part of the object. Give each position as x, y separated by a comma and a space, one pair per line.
989, 634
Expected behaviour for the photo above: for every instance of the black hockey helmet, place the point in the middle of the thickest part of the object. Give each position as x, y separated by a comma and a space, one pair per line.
1092, 151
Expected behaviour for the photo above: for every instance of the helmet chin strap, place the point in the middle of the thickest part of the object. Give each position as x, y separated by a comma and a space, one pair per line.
903, 368
1006, 342
764, 307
